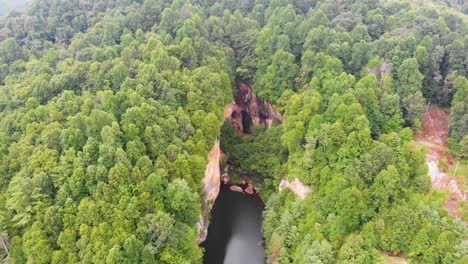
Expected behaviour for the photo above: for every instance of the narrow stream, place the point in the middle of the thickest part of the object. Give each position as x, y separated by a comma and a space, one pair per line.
234, 234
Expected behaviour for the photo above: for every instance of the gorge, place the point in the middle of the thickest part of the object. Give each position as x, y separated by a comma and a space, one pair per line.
183, 132
236, 216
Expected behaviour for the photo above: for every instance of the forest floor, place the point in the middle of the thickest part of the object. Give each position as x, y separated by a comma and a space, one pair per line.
433, 137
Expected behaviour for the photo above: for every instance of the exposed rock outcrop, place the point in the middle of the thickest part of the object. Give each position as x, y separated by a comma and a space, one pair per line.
212, 182
296, 186
249, 190
248, 110
212, 178
243, 186
236, 188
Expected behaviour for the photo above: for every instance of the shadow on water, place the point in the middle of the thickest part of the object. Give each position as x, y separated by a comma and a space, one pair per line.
234, 234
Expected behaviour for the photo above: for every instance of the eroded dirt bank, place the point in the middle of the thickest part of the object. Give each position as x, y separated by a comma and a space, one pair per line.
433, 136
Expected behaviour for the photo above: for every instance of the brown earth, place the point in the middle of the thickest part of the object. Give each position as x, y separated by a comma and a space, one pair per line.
433, 136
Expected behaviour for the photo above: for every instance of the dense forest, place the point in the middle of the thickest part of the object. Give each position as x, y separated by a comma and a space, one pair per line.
7, 6
108, 109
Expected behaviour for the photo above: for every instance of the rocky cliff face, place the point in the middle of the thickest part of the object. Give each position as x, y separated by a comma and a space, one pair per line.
212, 183
248, 110
212, 178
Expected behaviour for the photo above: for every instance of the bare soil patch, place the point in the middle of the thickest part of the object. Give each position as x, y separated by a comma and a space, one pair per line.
296, 186
433, 136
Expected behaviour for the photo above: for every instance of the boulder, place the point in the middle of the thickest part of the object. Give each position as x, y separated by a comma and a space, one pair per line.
235, 188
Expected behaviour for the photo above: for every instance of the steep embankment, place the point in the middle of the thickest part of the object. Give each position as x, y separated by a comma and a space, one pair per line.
211, 182
212, 178
433, 136
247, 110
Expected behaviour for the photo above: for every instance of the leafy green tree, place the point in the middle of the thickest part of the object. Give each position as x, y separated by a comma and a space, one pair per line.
415, 106
365, 92
409, 89
458, 117
117, 75
36, 245
354, 250
315, 252
410, 79
384, 189
10, 51
181, 202
350, 207
279, 76
457, 52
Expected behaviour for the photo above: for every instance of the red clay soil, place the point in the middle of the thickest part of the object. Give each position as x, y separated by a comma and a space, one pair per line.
434, 136
435, 126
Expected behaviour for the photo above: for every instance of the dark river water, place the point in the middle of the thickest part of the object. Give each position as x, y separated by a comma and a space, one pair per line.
234, 234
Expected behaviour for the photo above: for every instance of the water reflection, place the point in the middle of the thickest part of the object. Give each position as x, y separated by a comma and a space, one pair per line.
234, 234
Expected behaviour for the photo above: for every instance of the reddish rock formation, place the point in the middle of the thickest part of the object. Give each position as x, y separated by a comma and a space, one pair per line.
249, 190
236, 188
248, 110
243, 186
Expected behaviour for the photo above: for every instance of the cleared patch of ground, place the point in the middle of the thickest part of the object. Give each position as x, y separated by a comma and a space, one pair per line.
389, 259
296, 187
433, 137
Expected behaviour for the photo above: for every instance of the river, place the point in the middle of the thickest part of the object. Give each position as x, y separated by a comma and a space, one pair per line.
234, 234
